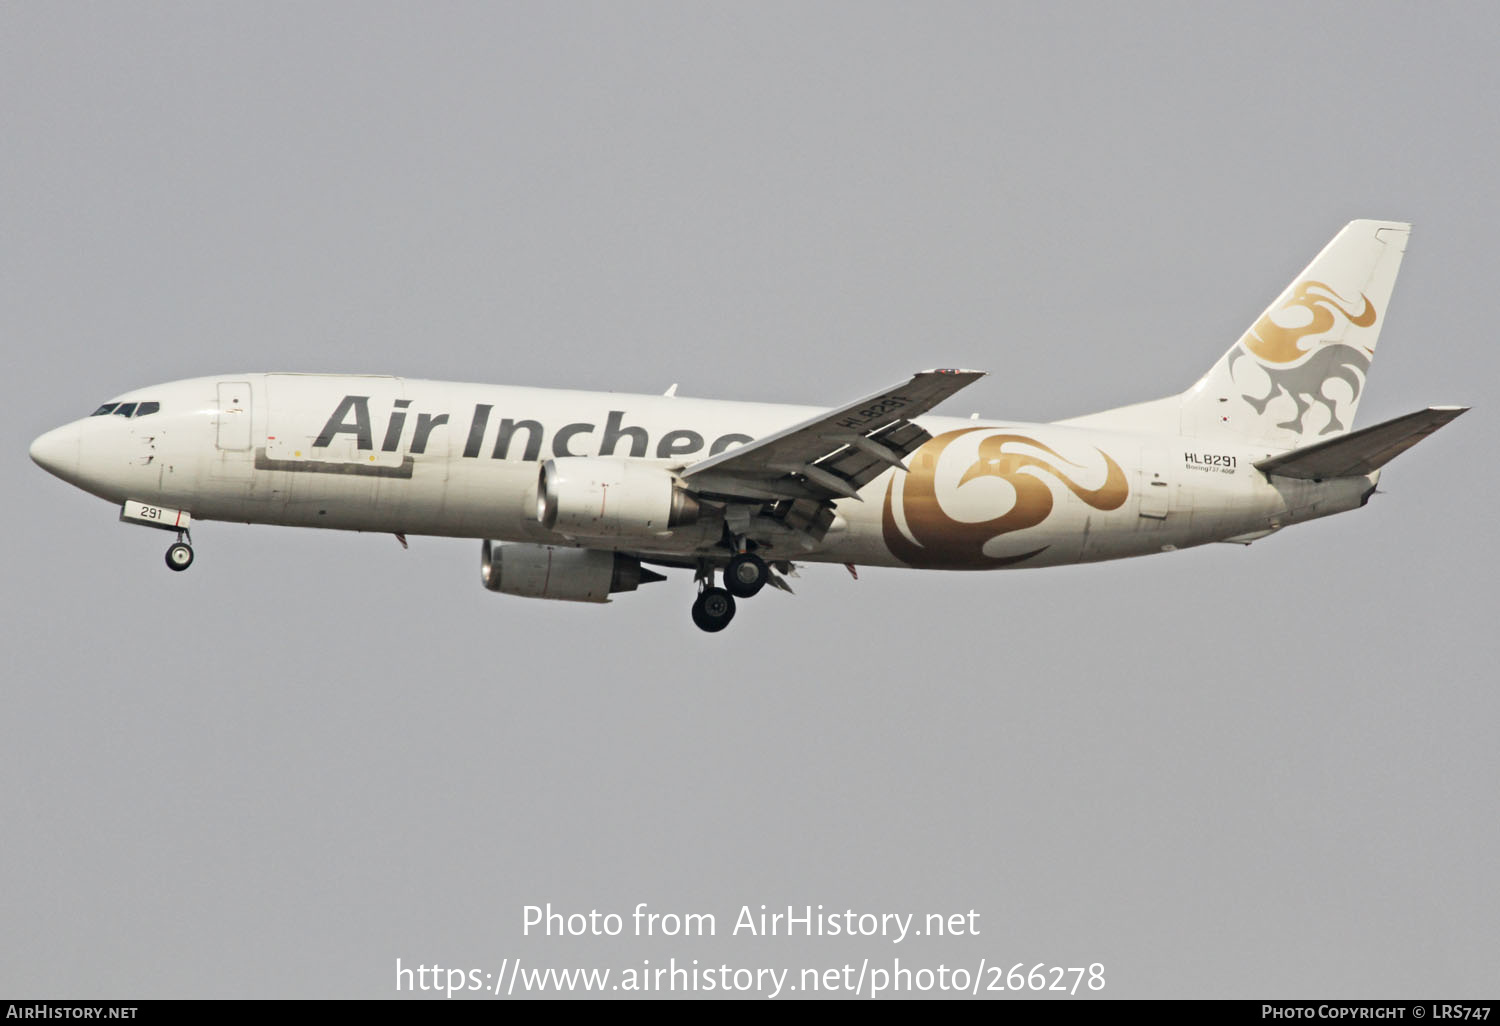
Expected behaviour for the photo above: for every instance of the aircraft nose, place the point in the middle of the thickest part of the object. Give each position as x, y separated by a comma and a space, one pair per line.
56, 452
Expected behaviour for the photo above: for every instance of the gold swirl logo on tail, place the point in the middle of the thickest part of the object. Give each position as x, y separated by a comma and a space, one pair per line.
937, 541
1276, 344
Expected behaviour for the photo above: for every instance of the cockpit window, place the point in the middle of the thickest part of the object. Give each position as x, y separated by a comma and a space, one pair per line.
127, 409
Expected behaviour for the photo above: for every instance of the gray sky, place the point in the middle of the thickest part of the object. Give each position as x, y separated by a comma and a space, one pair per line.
1224, 772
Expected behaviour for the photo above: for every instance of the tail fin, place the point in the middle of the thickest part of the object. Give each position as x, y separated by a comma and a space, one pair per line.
1299, 372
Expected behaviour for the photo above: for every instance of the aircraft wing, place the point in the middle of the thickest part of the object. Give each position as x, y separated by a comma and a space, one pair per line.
834, 454
1363, 451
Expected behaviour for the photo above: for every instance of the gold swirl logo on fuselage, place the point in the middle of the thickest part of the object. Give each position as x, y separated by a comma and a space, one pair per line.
934, 540
1276, 344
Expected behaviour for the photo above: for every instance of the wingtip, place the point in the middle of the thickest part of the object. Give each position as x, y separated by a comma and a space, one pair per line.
955, 371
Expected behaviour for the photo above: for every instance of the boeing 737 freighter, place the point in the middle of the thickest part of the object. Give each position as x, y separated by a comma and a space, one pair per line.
576, 495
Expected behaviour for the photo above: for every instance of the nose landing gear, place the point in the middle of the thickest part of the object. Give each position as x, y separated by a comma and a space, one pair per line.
179, 521
180, 555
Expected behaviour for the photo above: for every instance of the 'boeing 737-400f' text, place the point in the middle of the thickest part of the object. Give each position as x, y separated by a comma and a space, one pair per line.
575, 495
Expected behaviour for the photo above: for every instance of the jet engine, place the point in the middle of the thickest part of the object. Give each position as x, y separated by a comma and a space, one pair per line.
554, 572
601, 497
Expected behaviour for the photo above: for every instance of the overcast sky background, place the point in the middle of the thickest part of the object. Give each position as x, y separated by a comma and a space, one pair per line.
1225, 772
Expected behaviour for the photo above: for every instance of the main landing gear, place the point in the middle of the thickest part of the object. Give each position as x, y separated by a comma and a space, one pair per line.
746, 574
713, 609
180, 555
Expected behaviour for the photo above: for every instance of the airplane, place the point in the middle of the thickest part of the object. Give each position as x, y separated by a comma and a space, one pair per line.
577, 496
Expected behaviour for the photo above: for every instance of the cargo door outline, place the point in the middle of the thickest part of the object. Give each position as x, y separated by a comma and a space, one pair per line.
306, 480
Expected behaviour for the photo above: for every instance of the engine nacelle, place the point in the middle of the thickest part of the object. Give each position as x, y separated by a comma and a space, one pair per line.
603, 497
554, 572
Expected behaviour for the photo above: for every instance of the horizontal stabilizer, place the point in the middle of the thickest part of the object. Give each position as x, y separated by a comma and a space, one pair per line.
1360, 452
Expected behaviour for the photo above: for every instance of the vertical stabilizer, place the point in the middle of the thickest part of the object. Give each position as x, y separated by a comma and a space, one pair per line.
1298, 373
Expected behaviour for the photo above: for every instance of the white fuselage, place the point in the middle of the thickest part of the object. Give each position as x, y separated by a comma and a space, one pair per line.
462, 460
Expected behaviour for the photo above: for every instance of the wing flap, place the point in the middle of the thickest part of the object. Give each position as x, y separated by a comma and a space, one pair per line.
1360, 452
832, 455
